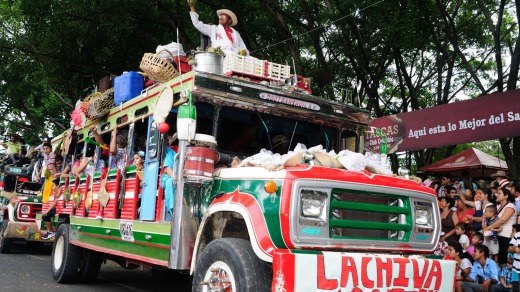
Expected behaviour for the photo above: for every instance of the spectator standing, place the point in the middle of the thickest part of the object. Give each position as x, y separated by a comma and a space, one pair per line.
463, 211
445, 183
507, 218
515, 249
449, 220
500, 177
483, 199
491, 236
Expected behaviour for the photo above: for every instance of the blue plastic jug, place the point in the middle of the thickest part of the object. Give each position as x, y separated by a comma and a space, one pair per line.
127, 86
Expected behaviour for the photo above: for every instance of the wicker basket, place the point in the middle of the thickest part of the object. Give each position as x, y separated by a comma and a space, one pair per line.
101, 106
158, 68
87, 101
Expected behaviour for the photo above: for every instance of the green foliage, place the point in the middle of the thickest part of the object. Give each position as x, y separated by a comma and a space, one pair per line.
391, 56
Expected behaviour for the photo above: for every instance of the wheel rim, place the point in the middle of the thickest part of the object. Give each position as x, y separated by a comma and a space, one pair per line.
219, 277
58, 253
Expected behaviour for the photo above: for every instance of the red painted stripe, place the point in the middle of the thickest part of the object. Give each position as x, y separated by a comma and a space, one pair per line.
256, 217
285, 217
283, 270
121, 254
129, 211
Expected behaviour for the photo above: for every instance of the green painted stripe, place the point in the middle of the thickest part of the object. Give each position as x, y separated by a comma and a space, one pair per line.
124, 246
369, 207
357, 224
304, 251
94, 232
159, 232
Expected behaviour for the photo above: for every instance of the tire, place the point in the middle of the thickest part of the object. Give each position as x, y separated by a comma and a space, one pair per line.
90, 266
230, 264
66, 258
5, 243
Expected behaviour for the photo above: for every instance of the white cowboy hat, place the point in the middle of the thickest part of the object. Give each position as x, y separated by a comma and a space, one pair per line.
234, 19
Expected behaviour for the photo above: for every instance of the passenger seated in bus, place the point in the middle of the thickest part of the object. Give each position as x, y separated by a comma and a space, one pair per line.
84, 164
139, 167
139, 160
117, 150
168, 177
280, 144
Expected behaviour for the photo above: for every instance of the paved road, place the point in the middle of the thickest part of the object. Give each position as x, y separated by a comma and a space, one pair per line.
29, 269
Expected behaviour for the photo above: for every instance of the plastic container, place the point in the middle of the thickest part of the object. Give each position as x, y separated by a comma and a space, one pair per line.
127, 86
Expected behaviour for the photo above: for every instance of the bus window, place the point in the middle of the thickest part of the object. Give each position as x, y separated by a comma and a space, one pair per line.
348, 141
246, 132
205, 114
153, 145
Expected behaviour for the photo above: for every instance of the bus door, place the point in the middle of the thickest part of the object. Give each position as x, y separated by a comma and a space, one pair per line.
151, 172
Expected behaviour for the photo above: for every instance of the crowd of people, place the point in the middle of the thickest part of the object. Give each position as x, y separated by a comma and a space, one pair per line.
480, 230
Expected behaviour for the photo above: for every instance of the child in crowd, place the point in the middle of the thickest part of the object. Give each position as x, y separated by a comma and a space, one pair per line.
476, 239
491, 236
506, 276
460, 230
514, 247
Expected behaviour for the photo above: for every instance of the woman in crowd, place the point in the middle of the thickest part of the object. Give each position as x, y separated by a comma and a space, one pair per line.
449, 220
463, 211
507, 218
483, 198
463, 261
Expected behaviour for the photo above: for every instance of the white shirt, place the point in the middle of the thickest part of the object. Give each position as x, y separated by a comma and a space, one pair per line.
507, 227
465, 263
515, 241
218, 36
464, 239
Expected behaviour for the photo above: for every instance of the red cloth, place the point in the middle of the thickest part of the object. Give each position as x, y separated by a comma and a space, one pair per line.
229, 33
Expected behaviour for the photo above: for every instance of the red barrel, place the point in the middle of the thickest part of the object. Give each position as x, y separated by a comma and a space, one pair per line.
200, 164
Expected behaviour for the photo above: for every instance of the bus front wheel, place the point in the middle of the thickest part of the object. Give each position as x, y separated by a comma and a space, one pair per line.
230, 264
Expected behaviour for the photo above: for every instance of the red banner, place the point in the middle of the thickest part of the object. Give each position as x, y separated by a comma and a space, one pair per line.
488, 117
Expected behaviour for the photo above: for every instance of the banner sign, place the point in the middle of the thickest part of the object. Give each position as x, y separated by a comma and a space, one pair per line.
488, 117
334, 272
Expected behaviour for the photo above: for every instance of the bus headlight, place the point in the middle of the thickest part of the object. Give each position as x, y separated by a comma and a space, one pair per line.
314, 205
25, 209
423, 217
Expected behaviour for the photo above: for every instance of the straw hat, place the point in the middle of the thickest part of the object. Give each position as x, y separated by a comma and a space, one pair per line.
234, 19
499, 173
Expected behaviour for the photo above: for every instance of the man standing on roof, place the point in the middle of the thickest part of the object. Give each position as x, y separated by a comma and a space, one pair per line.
221, 35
